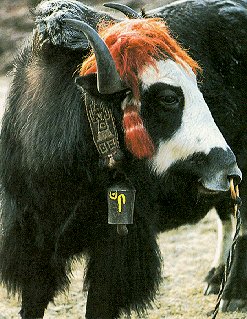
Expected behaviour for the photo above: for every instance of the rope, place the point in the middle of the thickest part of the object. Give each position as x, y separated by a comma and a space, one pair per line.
228, 265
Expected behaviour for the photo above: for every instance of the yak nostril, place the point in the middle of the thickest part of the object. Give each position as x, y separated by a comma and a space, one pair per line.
219, 180
235, 174
236, 179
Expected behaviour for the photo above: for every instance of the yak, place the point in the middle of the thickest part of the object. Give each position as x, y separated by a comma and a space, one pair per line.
105, 118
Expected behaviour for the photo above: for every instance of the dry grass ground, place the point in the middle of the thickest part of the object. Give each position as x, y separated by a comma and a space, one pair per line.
187, 254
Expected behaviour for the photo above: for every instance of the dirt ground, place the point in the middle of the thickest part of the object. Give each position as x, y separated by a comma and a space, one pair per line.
187, 256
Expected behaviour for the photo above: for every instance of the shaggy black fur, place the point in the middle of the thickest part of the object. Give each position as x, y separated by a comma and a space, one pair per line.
54, 190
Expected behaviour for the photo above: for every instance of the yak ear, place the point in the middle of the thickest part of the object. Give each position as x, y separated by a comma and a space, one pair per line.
88, 83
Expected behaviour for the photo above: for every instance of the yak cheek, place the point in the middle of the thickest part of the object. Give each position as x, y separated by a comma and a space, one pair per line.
197, 134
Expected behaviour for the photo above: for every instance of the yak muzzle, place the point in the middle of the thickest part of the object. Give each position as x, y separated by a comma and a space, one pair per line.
221, 169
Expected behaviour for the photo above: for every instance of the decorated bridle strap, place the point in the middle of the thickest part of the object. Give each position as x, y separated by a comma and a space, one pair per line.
104, 131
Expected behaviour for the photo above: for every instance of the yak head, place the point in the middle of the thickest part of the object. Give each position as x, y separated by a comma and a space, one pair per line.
165, 118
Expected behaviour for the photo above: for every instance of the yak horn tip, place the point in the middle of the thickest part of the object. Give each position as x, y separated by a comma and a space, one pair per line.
129, 12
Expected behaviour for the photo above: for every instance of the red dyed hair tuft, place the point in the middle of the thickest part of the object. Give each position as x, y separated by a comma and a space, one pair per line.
137, 139
136, 43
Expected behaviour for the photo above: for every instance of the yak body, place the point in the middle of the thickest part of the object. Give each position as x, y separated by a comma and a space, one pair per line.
54, 190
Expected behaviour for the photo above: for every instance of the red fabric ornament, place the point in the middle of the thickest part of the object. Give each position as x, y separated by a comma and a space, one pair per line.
137, 139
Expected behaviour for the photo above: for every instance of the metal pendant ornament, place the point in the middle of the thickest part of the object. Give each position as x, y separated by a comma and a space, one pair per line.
121, 201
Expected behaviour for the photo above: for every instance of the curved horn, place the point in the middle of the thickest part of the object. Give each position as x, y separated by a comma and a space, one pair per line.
108, 79
130, 13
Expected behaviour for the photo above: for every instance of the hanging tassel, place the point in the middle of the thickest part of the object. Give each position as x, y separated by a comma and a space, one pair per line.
137, 138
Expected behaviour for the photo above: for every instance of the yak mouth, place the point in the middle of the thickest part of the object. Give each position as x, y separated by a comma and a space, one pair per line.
207, 191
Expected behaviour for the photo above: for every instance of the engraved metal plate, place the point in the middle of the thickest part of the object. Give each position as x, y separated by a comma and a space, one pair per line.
103, 127
121, 202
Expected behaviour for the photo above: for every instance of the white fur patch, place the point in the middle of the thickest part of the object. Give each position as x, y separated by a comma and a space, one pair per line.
198, 131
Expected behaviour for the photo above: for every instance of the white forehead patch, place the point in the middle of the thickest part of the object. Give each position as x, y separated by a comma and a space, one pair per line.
198, 131
168, 72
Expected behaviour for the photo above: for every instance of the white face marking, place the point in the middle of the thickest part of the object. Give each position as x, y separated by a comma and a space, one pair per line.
198, 131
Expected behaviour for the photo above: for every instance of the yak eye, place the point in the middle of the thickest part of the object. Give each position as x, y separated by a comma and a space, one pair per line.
168, 99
